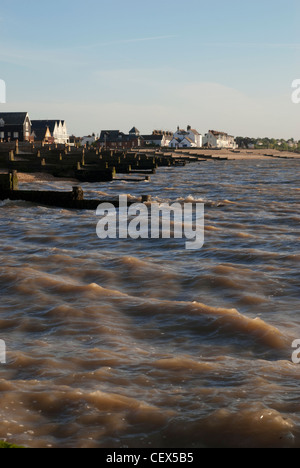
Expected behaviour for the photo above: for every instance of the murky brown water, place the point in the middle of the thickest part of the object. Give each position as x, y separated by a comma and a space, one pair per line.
144, 344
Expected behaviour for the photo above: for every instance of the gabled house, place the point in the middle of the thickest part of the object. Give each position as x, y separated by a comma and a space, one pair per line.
41, 131
50, 131
114, 139
215, 139
134, 131
15, 126
158, 138
189, 138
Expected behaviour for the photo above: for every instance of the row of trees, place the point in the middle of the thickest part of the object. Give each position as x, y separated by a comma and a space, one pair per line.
268, 143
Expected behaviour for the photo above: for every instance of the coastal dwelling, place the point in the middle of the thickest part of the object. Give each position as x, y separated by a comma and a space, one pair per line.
41, 131
15, 126
158, 138
88, 140
50, 131
215, 139
189, 138
114, 139
134, 132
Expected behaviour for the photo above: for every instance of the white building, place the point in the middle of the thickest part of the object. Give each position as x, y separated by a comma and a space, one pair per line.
214, 139
60, 133
88, 140
189, 138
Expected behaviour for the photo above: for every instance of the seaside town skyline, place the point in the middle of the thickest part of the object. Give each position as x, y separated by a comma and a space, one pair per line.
17, 126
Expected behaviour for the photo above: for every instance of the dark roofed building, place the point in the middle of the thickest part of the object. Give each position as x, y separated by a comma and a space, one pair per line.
114, 139
158, 138
15, 126
43, 130
134, 131
50, 131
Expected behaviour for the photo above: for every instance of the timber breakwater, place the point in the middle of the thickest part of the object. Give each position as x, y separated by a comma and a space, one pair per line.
9, 190
85, 165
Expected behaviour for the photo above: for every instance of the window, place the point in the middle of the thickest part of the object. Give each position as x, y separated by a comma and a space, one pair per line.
16, 134
1, 135
2, 123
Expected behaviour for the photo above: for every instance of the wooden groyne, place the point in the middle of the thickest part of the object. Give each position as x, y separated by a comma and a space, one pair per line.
9, 190
85, 165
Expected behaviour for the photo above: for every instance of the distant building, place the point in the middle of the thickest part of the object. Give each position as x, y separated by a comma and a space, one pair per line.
134, 132
189, 138
74, 141
41, 131
291, 143
114, 139
88, 140
50, 131
158, 138
215, 139
15, 126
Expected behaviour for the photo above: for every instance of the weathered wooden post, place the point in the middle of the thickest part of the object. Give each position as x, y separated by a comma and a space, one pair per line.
77, 194
11, 156
9, 182
17, 147
14, 180
43, 162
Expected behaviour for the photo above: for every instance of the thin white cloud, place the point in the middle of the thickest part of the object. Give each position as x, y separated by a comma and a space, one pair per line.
63, 56
253, 44
122, 41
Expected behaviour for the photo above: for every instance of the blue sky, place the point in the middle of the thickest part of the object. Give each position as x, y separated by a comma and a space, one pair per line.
104, 64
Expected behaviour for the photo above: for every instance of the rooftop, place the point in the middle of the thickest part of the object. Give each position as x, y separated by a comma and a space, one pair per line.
13, 118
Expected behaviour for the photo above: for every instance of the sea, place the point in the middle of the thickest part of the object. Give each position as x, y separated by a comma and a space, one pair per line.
123, 343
